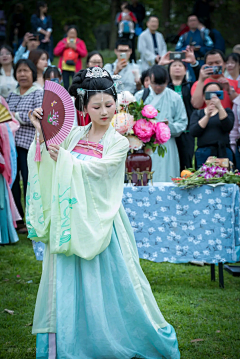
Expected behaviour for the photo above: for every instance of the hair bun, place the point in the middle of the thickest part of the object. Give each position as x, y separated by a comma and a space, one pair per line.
92, 85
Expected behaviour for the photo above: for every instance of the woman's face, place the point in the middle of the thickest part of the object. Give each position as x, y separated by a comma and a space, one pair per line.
24, 76
146, 82
101, 108
42, 62
231, 65
5, 57
72, 34
44, 8
211, 88
177, 69
95, 60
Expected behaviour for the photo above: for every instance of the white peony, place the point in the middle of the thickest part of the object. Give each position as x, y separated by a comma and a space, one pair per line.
124, 99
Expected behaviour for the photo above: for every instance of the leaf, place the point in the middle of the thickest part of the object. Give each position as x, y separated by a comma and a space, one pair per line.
197, 340
9, 311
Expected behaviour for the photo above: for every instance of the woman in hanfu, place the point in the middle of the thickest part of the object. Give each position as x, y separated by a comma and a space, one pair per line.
94, 300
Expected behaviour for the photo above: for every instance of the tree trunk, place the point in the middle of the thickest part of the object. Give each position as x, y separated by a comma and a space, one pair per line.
115, 8
166, 7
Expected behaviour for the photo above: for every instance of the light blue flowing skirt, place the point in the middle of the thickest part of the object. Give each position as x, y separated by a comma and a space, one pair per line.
99, 315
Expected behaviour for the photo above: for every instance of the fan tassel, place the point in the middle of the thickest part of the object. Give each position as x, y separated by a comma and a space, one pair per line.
38, 150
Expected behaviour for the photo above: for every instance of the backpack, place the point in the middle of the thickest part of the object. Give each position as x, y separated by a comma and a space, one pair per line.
146, 93
70, 57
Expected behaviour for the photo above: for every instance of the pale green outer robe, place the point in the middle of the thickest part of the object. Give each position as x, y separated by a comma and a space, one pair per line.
72, 206
171, 108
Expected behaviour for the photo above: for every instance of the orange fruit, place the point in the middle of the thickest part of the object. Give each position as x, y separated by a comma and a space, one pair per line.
186, 174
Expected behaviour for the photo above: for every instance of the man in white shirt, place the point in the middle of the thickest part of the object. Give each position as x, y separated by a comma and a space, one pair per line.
151, 44
130, 76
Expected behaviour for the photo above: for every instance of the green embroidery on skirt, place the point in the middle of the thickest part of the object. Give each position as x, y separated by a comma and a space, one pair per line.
36, 196
65, 237
65, 212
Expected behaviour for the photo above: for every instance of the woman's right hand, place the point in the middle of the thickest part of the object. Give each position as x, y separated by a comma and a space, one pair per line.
35, 116
165, 59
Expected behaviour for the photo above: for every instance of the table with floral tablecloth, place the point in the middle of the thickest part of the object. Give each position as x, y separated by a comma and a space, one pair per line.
178, 226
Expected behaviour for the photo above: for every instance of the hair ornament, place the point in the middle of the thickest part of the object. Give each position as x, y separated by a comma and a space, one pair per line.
81, 92
116, 77
96, 72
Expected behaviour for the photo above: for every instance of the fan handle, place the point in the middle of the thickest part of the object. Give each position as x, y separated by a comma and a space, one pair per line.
44, 137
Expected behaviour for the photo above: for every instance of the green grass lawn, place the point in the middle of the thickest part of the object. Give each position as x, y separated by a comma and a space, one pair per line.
195, 306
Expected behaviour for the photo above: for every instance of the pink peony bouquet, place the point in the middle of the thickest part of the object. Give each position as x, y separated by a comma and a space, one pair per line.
139, 121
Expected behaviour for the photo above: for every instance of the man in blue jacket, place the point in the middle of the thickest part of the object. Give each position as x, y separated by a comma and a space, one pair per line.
199, 41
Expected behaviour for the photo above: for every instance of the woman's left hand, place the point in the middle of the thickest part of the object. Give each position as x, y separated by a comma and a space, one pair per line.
190, 57
53, 151
216, 102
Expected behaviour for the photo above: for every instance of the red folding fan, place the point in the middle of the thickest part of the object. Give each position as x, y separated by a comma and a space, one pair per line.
58, 113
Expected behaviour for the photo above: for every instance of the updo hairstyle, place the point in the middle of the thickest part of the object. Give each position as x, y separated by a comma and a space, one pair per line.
96, 85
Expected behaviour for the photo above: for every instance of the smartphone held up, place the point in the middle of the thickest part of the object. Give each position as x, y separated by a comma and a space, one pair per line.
210, 94
177, 55
216, 70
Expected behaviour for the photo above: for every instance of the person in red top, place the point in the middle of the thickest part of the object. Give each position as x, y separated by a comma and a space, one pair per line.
230, 87
71, 51
126, 16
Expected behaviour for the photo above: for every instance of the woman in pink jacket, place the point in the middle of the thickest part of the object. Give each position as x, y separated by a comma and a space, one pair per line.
71, 51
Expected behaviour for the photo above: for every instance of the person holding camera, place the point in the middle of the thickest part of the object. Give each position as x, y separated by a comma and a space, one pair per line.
211, 126
71, 51
130, 76
199, 41
30, 42
177, 69
213, 71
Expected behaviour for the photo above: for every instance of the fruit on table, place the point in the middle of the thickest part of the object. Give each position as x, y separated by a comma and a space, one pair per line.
186, 173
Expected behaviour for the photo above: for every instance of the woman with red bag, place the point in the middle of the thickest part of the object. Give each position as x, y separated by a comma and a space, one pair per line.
71, 51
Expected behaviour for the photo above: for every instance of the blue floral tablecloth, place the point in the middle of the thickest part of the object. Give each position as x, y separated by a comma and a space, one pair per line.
178, 226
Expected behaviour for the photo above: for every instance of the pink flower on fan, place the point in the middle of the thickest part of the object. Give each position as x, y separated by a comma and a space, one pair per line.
50, 119
162, 133
144, 130
149, 111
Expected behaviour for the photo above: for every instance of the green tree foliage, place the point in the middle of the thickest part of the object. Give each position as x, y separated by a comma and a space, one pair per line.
88, 14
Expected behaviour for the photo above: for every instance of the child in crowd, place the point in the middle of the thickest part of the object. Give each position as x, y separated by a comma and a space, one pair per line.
52, 73
145, 78
126, 17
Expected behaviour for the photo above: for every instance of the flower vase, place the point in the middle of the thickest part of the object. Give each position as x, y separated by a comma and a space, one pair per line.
139, 161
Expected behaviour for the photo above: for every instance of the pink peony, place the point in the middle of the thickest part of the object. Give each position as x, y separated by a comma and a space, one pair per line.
149, 111
144, 130
162, 133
